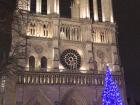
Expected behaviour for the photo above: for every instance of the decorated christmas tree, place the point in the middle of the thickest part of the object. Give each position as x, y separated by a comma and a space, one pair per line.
111, 94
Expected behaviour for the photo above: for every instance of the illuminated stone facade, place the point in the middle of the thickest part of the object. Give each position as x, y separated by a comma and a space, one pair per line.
63, 59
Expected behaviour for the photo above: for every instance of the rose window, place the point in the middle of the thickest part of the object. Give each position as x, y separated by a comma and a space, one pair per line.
70, 59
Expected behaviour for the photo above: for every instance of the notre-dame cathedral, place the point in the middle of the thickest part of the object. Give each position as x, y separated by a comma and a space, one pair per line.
61, 49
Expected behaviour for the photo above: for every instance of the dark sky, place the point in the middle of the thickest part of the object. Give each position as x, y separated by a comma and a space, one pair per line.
127, 13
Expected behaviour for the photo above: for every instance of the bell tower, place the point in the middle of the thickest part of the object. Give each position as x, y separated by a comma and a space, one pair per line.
100, 8
52, 6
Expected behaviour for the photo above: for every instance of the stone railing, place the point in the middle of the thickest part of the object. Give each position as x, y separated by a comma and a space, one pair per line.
62, 78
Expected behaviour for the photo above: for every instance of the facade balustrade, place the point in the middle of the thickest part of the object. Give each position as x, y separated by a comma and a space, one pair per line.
63, 78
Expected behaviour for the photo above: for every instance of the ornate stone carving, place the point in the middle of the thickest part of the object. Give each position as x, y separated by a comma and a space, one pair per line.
71, 59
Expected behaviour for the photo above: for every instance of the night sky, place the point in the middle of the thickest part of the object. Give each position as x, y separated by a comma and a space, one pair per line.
127, 13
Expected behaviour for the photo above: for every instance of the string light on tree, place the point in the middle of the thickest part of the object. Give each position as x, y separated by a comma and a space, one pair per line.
111, 93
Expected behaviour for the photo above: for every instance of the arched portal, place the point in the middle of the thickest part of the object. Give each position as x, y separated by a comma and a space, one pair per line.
39, 99
74, 97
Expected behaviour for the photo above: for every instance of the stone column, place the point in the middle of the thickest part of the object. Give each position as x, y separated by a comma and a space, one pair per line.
48, 7
107, 11
75, 9
71, 31
84, 9
89, 55
38, 6
111, 11
87, 9
56, 60
65, 31
53, 7
28, 4
95, 9
56, 44
56, 6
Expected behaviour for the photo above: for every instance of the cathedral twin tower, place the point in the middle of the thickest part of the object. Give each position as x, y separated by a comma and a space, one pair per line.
98, 10
61, 49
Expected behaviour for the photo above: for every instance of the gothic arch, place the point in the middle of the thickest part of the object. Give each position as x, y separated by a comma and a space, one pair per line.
33, 6
32, 28
74, 97
44, 30
31, 63
43, 62
39, 99
44, 7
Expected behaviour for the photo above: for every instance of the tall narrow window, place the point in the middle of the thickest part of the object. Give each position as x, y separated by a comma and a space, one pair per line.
91, 9
44, 7
43, 63
45, 32
99, 10
102, 36
32, 29
33, 6
68, 33
65, 8
31, 63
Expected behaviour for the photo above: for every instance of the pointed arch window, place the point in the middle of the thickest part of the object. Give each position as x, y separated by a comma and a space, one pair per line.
99, 4
33, 6
68, 33
102, 36
65, 8
44, 7
32, 29
43, 62
91, 9
31, 63
45, 30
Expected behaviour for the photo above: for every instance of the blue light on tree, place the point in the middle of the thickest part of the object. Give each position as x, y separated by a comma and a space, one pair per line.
111, 94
